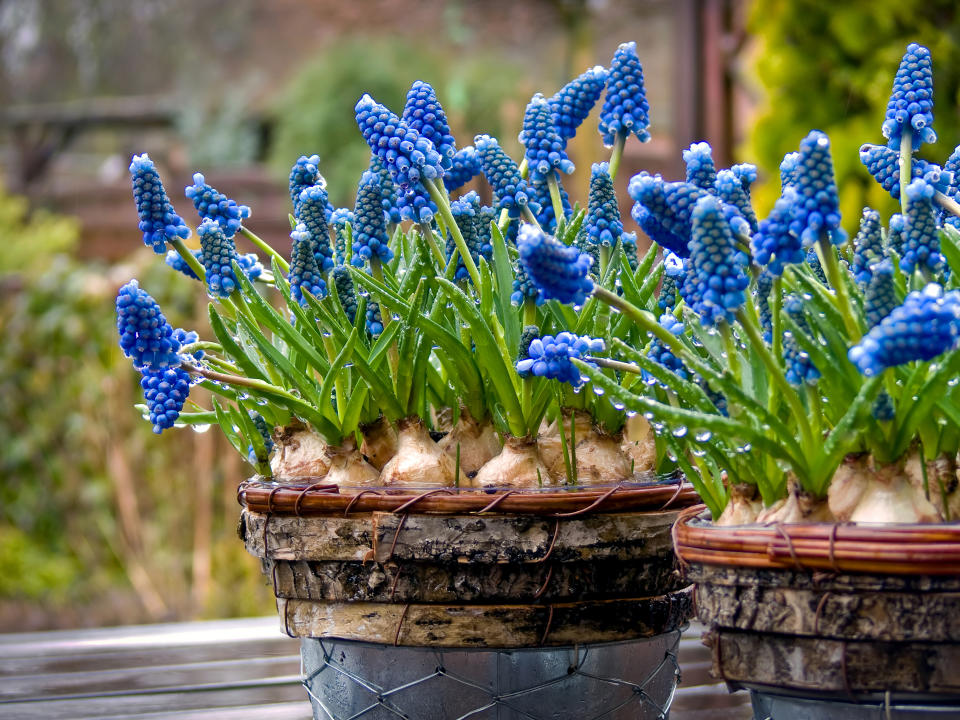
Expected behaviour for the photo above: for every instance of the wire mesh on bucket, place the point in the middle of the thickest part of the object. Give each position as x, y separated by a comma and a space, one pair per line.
614, 681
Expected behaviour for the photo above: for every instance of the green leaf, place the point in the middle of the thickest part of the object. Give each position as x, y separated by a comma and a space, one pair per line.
231, 347
503, 272
336, 367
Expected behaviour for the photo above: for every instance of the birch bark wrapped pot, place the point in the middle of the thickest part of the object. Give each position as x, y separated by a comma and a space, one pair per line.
444, 604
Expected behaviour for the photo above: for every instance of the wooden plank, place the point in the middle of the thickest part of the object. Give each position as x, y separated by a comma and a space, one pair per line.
289, 537
505, 626
457, 583
521, 539
273, 711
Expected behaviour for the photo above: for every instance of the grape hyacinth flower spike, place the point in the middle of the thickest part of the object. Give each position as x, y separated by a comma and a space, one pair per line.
625, 107
559, 271
159, 223
304, 273
602, 224
304, 173
370, 241
572, 103
510, 190
921, 248
789, 170
662, 355
910, 108
547, 214
700, 168
145, 335
464, 168
214, 205
799, 367
773, 245
673, 273
868, 246
409, 157
880, 295
549, 356
545, 149
339, 219
715, 281
217, 253
388, 192
313, 216
816, 212
884, 164
925, 326
423, 113
729, 187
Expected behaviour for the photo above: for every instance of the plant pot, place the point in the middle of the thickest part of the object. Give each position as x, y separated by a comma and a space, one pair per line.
555, 604
846, 614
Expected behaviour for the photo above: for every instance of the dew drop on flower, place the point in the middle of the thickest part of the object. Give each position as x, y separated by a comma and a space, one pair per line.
703, 436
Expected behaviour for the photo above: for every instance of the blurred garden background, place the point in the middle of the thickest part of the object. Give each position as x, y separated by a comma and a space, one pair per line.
101, 522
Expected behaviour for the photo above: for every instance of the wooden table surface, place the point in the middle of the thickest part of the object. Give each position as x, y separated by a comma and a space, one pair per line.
222, 670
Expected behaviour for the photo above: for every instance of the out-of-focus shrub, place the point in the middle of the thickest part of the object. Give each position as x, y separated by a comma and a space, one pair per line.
830, 66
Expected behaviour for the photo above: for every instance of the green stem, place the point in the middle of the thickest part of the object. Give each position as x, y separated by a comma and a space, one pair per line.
947, 203
386, 313
426, 232
503, 222
265, 246
443, 203
526, 384
188, 257
555, 196
240, 381
617, 153
191, 348
605, 252
776, 306
906, 172
530, 218
338, 386
829, 261
733, 355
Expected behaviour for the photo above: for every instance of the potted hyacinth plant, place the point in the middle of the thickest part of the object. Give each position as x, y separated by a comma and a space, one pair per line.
807, 383
431, 479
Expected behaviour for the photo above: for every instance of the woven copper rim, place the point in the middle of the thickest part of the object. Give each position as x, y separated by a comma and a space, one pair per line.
876, 549
318, 499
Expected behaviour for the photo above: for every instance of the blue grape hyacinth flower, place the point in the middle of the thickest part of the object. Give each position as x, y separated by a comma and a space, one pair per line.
799, 367
897, 233
145, 335
732, 190
716, 276
952, 168
346, 293
673, 273
926, 325
339, 219
921, 247
304, 173
264, 431
510, 190
370, 239
373, 318
625, 108
525, 289
408, 156
868, 246
304, 273
880, 294
187, 337
176, 261
423, 113
165, 392
466, 213
764, 288
217, 253
884, 164
464, 167
628, 241
572, 103
415, 205
662, 355
910, 108
214, 205
549, 356
314, 209
746, 173
789, 170
546, 216
816, 212
159, 223
602, 224
700, 168
389, 198
559, 271
545, 149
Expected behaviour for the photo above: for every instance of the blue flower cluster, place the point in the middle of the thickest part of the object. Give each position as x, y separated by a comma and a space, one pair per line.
603, 225
217, 253
656, 231
764, 288
524, 288
732, 190
625, 108
897, 234
952, 166
545, 149
868, 246
716, 279
574, 101
789, 170
910, 107
925, 326
145, 335
746, 173
388, 192
700, 168
541, 195
415, 205
339, 220
884, 164
464, 168
423, 113
304, 173
799, 367
159, 223
343, 283
216, 206
261, 425
304, 273
673, 274
662, 355
880, 294
409, 157
510, 190
374, 321
187, 337
176, 261
816, 212
550, 356
466, 213
921, 248
369, 234
165, 391
813, 260
559, 271
628, 241
313, 215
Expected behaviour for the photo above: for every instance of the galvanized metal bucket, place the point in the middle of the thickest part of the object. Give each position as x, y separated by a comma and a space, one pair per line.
632, 680
769, 706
